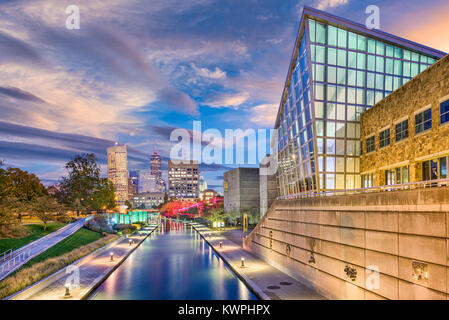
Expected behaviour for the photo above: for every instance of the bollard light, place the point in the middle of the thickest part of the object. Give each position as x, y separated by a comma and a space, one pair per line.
130, 242
112, 256
221, 244
243, 262
67, 290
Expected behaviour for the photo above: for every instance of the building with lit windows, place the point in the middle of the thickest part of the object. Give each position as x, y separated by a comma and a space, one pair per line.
183, 179
338, 69
405, 137
156, 170
148, 200
147, 181
118, 171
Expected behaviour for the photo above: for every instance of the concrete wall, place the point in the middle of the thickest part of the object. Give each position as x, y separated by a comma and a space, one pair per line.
315, 240
268, 192
241, 189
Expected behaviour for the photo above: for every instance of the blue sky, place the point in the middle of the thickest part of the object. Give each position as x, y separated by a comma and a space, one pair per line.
136, 70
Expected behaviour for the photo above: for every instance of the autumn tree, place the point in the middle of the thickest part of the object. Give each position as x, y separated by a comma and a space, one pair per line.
46, 209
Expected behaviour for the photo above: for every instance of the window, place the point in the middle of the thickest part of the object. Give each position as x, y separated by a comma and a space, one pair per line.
444, 112
370, 144
402, 130
423, 121
384, 138
397, 175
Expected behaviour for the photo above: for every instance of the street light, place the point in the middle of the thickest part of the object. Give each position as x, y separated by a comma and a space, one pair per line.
243, 262
130, 242
112, 256
221, 244
67, 290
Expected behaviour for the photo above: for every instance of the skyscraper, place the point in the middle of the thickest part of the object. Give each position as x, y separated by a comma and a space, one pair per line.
118, 171
183, 180
338, 69
147, 181
156, 171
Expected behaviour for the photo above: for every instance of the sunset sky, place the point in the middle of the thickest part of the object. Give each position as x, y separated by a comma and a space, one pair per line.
138, 69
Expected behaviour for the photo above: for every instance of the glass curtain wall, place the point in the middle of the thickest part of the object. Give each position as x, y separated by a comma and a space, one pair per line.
337, 75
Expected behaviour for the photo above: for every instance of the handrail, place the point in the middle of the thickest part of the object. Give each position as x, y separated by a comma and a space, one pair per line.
5, 254
393, 187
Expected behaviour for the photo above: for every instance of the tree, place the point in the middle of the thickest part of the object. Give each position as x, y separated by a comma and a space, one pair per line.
21, 185
103, 196
82, 181
129, 204
46, 209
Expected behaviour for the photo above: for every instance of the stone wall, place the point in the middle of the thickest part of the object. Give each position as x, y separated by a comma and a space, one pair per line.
241, 190
426, 89
333, 243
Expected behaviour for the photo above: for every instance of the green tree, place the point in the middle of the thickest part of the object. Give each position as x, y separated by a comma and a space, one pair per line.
21, 185
103, 197
82, 181
46, 209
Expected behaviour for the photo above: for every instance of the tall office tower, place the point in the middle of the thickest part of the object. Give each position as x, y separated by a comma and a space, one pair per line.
202, 186
147, 181
183, 180
156, 170
338, 69
118, 171
134, 176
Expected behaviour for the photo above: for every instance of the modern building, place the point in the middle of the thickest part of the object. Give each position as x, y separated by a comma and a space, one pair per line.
132, 188
241, 189
338, 69
183, 179
156, 170
118, 171
208, 195
203, 186
134, 175
267, 183
147, 181
406, 135
148, 200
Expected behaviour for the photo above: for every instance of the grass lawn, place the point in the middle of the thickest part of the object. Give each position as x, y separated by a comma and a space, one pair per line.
80, 238
35, 231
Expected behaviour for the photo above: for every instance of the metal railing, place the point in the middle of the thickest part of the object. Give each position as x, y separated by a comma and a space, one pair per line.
5, 255
385, 188
15, 261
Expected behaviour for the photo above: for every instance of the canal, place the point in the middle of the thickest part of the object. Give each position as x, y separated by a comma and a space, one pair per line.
173, 263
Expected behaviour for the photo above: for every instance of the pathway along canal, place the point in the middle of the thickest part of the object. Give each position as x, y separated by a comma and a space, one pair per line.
174, 263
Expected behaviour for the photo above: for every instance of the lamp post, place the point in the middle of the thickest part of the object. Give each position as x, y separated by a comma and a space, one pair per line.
112, 256
243, 262
130, 242
221, 244
67, 290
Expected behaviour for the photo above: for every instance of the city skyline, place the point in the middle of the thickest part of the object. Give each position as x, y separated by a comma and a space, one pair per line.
223, 73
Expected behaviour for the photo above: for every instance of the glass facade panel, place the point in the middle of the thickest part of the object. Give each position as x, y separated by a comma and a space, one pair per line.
319, 120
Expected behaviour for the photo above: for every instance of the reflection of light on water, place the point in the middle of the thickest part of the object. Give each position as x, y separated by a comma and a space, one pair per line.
243, 291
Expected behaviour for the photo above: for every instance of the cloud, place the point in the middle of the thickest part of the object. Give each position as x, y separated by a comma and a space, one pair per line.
17, 93
264, 114
325, 4
13, 49
178, 101
227, 100
204, 72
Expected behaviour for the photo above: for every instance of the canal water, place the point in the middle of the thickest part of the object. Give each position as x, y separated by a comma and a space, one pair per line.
173, 263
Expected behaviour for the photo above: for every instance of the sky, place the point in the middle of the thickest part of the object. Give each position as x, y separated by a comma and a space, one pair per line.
136, 70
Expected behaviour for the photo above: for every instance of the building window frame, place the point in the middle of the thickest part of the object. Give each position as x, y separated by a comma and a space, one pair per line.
401, 130
370, 144
444, 115
384, 138
423, 120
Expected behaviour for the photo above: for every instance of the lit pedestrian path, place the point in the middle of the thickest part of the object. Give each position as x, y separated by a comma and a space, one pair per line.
78, 280
266, 281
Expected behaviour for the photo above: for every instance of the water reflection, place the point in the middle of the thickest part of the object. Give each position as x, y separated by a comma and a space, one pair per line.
173, 264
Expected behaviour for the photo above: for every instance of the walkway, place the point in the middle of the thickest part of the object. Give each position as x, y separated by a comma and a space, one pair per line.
22, 255
91, 271
266, 281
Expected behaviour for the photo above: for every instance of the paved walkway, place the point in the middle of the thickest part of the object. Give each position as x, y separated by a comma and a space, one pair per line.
268, 282
92, 270
22, 255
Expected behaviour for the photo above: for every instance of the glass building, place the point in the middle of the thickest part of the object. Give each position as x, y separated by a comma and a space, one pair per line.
338, 69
